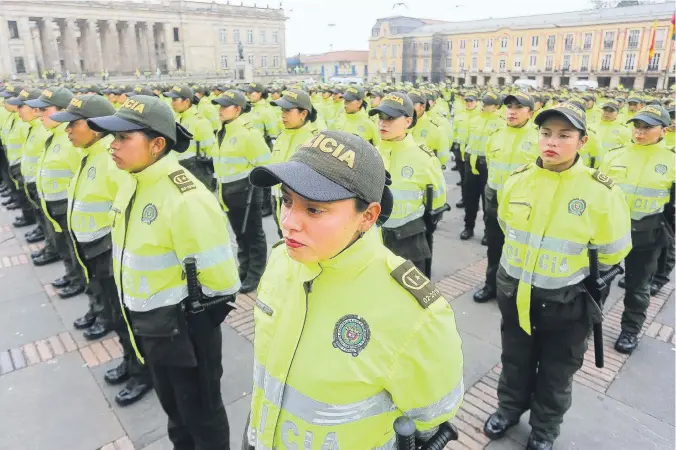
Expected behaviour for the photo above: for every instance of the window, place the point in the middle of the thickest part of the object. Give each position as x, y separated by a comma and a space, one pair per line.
489, 44
426, 65
605, 62
551, 43
19, 64
519, 42
629, 61
179, 62
608, 40
374, 52
566, 62
659, 38
654, 63
462, 44
261, 36
449, 63
383, 51
475, 62
224, 36
534, 42
634, 36
475, 44
224, 61
275, 37
584, 64
394, 51
587, 41
252, 60
449, 45
533, 61
13, 30
461, 63
236, 36
264, 62
517, 62
249, 37
502, 63
176, 36
487, 64
549, 62
426, 48
503, 43
568, 43
275, 62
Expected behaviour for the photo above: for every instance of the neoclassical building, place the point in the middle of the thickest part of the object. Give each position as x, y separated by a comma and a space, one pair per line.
121, 36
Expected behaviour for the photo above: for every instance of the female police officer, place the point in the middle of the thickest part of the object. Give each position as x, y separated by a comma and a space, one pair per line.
162, 216
550, 211
343, 325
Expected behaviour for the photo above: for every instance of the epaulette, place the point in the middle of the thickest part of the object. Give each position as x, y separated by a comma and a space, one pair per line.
434, 123
426, 149
416, 283
603, 179
199, 116
278, 243
615, 148
521, 169
182, 181
249, 126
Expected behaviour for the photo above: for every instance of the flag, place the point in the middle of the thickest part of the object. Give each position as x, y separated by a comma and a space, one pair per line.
651, 52
672, 28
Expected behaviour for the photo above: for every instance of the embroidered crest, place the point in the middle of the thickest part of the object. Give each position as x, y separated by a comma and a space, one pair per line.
423, 132
149, 214
232, 140
56, 148
603, 179
661, 169
182, 182
577, 206
91, 173
416, 283
526, 145
361, 129
407, 172
351, 334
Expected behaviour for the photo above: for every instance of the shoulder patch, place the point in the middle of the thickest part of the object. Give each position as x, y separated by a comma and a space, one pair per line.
416, 283
615, 148
249, 126
603, 179
521, 169
278, 243
182, 181
433, 122
426, 149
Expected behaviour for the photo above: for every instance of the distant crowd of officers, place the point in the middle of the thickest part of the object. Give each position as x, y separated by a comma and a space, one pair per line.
57, 170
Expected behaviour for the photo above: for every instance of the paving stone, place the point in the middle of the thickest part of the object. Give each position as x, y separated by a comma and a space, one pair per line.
18, 292
27, 320
667, 315
478, 357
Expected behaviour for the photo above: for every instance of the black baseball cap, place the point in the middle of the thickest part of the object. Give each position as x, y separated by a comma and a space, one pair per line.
522, 98
394, 104
332, 166
572, 113
85, 106
294, 98
417, 96
652, 115
11, 90
254, 87
23, 97
634, 99
612, 104
180, 92
353, 93
143, 112
233, 97
470, 97
59, 97
120, 89
491, 99
140, 90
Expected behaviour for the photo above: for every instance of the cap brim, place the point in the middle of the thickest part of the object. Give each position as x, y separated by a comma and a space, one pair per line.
7, 94
614, 107
555, 112
284, 104
391, 112
223, 102
249, 89
15, 101
65, 116
647, 119
113, 124
350, 97
37, 103
301, 179
516, 99
170, 94
470, 99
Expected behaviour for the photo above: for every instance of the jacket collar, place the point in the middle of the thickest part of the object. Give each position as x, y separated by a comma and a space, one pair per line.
60, 130
577, 168
190, 112
237, 123
102, 145
157, 170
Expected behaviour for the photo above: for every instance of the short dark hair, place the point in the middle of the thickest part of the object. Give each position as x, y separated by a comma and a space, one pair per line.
152, 134
360, 205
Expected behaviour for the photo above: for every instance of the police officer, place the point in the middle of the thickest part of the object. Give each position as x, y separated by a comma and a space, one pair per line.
480, 127
355, 120
546, 310
609, 131
262, 115
91, 194
412, 167
506, 150
205, 108
198, 157
645, 170
240, 148
386, 330
163, 215
461, 119
13, 137
426, 130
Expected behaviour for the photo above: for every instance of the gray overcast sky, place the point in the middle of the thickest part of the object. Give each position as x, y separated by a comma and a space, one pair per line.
308, 31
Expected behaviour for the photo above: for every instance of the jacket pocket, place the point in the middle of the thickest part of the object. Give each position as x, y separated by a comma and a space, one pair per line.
412, 228
161, 322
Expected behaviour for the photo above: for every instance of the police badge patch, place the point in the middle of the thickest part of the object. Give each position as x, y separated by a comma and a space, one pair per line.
351, 334
526, 145
149, 214
423, 132
577, 206
91, 173
407, 172
661, 169
232, 140
361, 129
56, 148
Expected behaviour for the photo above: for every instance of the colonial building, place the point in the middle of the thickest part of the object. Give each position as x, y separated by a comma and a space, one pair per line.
124, 35
610, 46
341, 64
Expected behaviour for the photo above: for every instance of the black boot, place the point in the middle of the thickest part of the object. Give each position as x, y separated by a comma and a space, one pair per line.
22, 221
626, 343
117, 375
460, 204
13, 206
538, 443
466, 234
45, 258
84, 322
622, 283
96, 331
484, 241
655, 287
484, 294
71, 291
35, 237
60, 283
7, 201
132, 392
496, 425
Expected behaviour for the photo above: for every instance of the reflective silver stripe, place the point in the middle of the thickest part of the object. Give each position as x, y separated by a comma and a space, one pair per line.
646, 192
313, 411
230, 160
15, 162
616, 246
638, 215
220, 293
236, 177
551, 244
29, 179
82, 236
30, 159
394, 223
446, 405
543, 281
12, 146
167, 297
147, 263
400, 194
185, 155
495, 186
56, 173
207, 142
262, 160
503, 166
213, 256
56, 196
92, 207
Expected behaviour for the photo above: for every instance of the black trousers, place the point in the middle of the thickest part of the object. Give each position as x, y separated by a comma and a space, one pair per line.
473, 190
20, 194
496, 240
537, 369
192, 424
459, 163
63, 245
251, 245
640, 265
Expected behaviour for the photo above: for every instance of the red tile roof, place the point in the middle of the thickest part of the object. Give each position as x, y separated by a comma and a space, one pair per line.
343, 55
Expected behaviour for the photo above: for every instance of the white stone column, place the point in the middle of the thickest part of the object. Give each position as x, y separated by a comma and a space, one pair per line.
168, 41
129, 50
6, 63
37, 45
144, 54
50, 46
90, 44
152, 51
26, 36
71, 55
